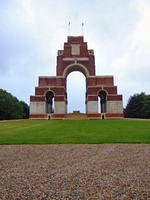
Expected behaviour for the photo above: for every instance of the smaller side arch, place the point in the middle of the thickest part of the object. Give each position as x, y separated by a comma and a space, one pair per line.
75, 67
101, 91
49, 98
49, 90
102, 94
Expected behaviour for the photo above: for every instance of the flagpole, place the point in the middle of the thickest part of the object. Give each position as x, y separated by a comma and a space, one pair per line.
82, 28
69, 28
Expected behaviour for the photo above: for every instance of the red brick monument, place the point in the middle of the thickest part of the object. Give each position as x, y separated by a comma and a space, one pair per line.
50, 100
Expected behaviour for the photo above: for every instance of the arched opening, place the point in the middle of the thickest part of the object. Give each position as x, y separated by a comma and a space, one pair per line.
102, 101
49, 102
76, 89
75, 67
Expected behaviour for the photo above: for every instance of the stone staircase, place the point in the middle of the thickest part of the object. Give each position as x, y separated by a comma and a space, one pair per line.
76, 115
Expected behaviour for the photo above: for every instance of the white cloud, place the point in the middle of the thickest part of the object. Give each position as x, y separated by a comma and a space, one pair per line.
133, 65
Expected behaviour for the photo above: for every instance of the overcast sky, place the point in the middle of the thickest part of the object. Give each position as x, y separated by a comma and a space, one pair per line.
31, 32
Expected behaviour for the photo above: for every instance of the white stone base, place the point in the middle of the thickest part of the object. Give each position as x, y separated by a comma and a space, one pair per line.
114, 107
92, 107
66, 108
60, 107
37, 108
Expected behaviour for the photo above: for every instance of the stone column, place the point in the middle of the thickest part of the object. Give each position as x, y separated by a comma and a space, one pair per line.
92, 107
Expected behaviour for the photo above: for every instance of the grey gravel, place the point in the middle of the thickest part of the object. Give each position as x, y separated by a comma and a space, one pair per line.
67, 171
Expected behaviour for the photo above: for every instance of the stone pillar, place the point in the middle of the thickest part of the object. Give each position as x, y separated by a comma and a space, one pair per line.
92, 107
60, 107
114, 107
37, 107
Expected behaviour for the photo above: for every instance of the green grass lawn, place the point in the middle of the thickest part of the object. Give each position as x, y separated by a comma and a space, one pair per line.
74, 131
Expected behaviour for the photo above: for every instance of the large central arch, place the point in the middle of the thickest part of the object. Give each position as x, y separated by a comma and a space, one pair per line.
75, 67
76, 92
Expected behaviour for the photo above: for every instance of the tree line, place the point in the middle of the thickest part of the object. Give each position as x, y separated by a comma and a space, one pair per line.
138, 106
11, 107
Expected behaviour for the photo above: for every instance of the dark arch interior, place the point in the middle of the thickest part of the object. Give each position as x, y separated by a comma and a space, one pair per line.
49, 102
102, 94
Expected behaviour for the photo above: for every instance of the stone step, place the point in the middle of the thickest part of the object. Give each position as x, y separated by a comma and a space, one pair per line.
76, 115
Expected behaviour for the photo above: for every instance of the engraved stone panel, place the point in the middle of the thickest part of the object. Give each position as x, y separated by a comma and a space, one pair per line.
75, 49
114, 107
60, 107
37, 108
92, 107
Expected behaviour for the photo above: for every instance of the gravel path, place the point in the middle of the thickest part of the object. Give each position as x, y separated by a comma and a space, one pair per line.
103, 171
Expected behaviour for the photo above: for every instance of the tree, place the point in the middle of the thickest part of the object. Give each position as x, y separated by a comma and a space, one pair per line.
11, 107
25, 109
138, 106
147, 106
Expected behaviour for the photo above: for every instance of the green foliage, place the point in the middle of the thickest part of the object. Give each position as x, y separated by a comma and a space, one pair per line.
25, 109
74, 131
11, 107
138, 106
